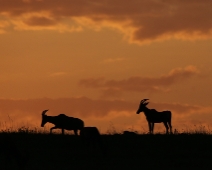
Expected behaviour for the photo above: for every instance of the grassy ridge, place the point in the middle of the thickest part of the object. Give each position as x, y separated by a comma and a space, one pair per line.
44, 151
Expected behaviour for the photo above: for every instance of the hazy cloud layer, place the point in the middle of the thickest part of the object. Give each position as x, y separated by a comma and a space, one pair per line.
97, 112
140, 21
81, 106
140, 84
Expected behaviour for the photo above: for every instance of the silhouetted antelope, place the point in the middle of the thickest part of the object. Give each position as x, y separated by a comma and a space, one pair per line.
62, 122
92, 140
90, 135
153, 116
129, 133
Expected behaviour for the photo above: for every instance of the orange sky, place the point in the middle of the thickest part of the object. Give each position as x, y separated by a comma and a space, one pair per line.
97, 59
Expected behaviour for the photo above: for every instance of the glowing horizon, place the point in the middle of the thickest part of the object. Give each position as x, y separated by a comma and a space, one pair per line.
97, 59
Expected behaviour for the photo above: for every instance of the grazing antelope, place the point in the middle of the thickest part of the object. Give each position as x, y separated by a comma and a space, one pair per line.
62, 122
90, 135
153, 116
129, 133
92, 140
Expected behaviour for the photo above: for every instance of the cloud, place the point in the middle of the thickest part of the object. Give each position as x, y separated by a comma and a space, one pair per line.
40, 21
139, 21
3, 25
113, 60
97, 112
141, 84
81, 106
180, 109
58, 74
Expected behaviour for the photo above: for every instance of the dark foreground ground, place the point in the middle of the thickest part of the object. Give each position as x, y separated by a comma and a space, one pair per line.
68, 152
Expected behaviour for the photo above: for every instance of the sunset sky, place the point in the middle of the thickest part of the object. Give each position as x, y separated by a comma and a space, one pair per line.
96, 60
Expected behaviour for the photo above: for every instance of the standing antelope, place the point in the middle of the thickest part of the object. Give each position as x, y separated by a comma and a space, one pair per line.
62, 122
153, 116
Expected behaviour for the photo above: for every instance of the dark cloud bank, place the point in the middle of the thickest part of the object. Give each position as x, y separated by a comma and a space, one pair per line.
140, 20
140, 84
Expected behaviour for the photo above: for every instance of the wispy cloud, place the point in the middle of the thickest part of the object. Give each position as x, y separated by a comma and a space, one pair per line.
139, 21
139, 83
40, 21
57, 74
3, 25
113, 60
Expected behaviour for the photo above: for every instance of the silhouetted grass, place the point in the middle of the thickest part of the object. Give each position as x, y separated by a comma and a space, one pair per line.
139, 151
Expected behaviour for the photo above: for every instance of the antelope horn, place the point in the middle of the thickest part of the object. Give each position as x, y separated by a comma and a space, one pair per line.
43, 113
142, 101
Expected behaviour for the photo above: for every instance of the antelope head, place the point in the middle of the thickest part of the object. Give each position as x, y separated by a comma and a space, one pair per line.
142, 105
43, 122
